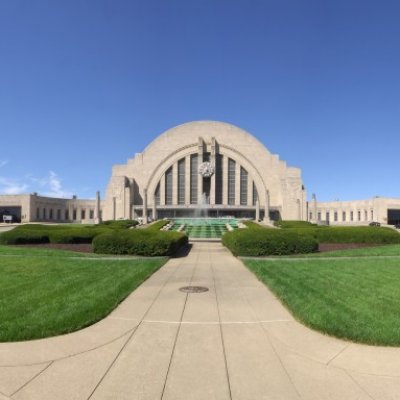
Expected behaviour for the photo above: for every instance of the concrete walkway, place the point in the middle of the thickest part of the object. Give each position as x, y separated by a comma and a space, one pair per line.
235, 341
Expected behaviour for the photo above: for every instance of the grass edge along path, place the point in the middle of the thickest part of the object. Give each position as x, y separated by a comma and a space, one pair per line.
353, 299
49, 296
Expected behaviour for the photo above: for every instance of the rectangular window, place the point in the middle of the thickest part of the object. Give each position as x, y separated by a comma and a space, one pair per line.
344, 216
181, 181
58, 214
193, 178
74, 214
44, 213
218, 179
255, 194
319, 216
243, 186
231, 181
91, 214
359, 215
335, 216
372, 215
351, 216
310, 216
83, 214
157, 195
38, 213
168, 187
327, 216
66, 215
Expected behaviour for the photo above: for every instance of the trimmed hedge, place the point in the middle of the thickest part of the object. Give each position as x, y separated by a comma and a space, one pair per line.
156, 226
143, 242
294, 224
120, 224
254, 225
355, 234
33, 234
76, 235
265, 242
20, 236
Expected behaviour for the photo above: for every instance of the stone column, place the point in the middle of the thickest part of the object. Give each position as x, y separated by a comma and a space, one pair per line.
213, 163
114, 210
187, 180
249, 190
225, 180
237, 184
97, 209
257, 210
144, 216
314, 207
127, 210
154, 216
162, 190
200, 177
266, 213
175, 183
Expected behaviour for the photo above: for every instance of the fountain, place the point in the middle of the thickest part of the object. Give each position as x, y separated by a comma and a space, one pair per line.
202, 207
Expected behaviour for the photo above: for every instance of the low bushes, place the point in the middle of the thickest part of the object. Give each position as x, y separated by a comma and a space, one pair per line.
143, 242
357, 234
156, 226
350, 234
294, 224
297, 237
264, 242
24, 237
120, 224
33, 234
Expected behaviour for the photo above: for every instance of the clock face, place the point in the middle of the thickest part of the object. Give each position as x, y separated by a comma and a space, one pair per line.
206, 169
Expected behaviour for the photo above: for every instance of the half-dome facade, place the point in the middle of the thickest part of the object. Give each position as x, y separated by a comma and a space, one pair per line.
205, 167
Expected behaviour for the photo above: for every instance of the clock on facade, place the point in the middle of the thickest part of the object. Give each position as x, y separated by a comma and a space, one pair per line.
206, 169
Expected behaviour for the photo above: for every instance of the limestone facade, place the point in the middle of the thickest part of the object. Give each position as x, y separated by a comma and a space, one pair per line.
35, 208
357, 212
202, 168
209, 167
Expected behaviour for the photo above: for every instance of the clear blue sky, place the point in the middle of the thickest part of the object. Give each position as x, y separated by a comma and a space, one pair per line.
87, 84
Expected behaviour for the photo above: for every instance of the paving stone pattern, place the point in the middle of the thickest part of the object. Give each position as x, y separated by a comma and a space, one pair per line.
234, 341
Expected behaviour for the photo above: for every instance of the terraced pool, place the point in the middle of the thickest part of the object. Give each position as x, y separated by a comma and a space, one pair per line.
204, 228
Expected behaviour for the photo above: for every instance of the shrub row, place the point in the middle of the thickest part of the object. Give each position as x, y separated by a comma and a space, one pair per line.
353, 234
294, 224
120, 224
33, 234
156, 226
143, 242
264, 242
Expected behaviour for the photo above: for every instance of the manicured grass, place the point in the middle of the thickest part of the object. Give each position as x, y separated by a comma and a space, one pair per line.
384, 250
356, 299
6, 250
47, 296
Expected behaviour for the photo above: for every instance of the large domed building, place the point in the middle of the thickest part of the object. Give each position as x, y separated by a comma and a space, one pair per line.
202, 168
205, 165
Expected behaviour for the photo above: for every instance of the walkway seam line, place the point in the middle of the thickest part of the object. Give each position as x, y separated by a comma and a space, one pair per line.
266, 334
135, 329
338, 354
178, 330
358, 385
221, 331
33, 378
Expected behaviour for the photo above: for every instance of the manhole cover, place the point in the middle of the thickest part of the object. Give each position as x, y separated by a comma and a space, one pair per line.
193, 289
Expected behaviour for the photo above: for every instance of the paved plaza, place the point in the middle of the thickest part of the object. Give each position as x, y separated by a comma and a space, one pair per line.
235, 341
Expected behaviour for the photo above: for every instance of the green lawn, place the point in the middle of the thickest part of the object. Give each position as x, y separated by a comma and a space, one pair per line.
59, 293
356, 299
384, 250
